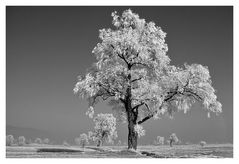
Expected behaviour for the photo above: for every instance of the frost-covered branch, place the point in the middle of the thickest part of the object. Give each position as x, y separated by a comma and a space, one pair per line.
136, 79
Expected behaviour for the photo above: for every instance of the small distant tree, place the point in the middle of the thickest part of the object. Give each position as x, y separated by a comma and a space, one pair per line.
9, 140
173, 139
82, 140
202, 143
104, 130
38, 141
21, 141
29, 141
46, 141
160, 140
65, 143
119, 143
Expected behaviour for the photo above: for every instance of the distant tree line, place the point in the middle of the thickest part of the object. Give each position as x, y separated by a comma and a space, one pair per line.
22, 141
172, 140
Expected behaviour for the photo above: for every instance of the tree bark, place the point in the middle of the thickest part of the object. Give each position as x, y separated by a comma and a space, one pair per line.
132, 135
171, 143
99, 143
132, 115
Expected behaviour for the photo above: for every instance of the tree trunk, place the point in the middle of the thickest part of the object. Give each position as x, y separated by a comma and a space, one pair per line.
83, 145
132, 134
132, 115
99, 143
171, 143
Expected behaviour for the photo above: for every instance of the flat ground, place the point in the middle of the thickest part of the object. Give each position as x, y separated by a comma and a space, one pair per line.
178, 151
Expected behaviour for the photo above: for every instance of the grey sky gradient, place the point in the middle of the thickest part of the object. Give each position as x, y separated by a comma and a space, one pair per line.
48, 47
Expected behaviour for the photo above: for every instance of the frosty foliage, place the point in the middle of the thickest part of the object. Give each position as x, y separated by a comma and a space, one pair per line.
139, 129
118, 110
38, 141
82, 140
105, 129
29, 141
202, 143
9, 140
119, 143
160, 140
90, 112
65, 143
173, 139
21, 140
132, 65
46, 141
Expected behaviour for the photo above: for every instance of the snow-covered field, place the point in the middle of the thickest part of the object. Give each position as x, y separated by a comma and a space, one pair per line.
178, 151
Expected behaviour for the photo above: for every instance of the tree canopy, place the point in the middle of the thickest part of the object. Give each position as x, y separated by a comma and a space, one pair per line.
136, 48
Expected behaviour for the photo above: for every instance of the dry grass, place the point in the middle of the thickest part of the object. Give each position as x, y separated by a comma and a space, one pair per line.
178, 151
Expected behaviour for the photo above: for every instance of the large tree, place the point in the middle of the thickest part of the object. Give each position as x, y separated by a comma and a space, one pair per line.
133, 73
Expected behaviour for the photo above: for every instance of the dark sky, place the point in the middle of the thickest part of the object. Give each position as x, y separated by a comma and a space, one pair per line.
48, 47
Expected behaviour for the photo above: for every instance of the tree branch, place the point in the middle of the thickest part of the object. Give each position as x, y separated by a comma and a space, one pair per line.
148, 99
169, 98
195, 95
107, 91
122, 100
121, 56
173, 93
138, 63
137, 106
147, 107
165, 100
137, 55
136, 79
145, 119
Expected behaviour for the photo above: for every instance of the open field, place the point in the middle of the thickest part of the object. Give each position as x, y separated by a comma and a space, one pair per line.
178, 151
